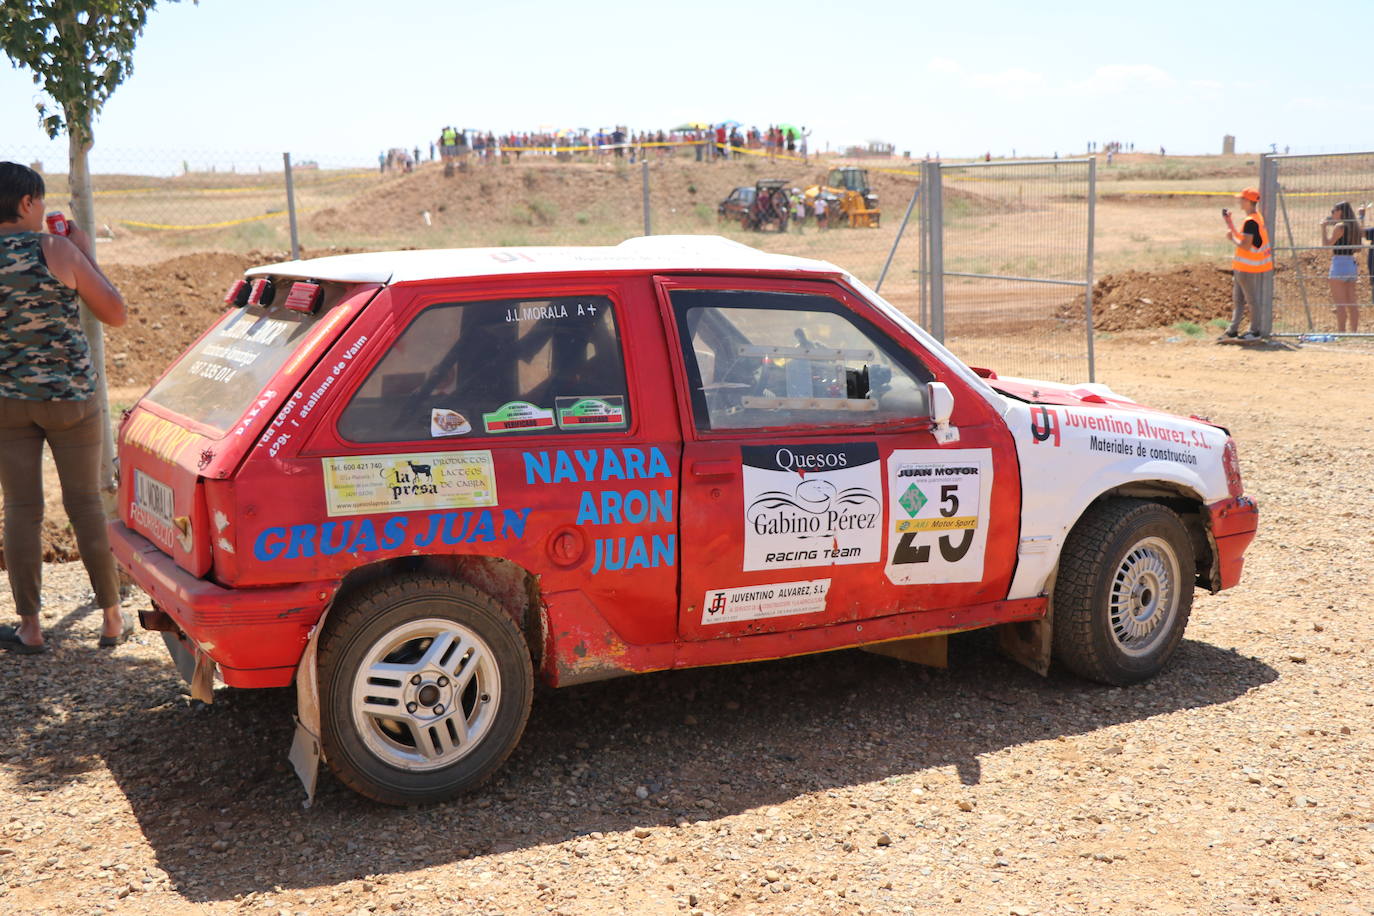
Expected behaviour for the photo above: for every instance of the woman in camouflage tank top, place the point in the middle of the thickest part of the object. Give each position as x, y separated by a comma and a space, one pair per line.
47, 394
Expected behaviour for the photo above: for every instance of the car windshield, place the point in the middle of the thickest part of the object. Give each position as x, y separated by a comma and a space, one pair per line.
217, 380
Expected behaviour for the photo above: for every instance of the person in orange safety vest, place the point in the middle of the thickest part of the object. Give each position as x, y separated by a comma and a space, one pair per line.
1252, 260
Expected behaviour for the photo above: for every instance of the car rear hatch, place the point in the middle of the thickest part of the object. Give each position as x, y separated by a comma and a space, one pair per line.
217, 401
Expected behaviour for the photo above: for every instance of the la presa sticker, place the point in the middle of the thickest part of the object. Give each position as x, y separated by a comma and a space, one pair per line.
938, 503
606, 412
517, 417
369, 484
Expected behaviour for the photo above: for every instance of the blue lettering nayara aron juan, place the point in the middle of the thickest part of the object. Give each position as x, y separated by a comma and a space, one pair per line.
366, 536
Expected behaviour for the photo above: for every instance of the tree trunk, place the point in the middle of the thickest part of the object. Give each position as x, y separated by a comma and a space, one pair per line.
79, 144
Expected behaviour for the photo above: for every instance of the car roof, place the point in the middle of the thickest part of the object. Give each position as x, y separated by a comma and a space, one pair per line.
648, 253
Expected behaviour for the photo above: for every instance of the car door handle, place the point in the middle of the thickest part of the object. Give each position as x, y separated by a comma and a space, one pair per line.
714, 468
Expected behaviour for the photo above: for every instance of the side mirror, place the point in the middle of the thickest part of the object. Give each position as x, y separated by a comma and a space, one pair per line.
941, 401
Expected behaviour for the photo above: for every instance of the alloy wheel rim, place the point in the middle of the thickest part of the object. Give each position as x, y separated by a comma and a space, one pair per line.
1144, 596
425, 694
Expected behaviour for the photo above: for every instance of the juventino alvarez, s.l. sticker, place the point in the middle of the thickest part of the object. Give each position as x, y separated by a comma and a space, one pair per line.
938, 503
755, 602
812, 505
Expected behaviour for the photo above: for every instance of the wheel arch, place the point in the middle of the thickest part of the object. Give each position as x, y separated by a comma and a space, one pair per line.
1030, 642
511, 585
1190, 506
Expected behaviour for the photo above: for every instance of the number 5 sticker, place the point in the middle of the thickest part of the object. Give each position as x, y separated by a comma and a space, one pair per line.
938, 506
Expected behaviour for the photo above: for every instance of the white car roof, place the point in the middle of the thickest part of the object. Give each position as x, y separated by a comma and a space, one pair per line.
656, 252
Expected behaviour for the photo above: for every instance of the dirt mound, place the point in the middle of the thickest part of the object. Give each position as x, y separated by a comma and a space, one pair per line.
581, 196
170, 304
1141, 299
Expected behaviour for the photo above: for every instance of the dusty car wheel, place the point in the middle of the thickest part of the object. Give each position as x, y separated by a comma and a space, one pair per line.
425, 687
1124, 591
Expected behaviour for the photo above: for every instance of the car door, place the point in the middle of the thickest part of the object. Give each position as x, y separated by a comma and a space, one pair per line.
814, 490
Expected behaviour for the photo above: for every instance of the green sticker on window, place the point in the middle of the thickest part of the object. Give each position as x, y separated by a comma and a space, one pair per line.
606, 412
517, 417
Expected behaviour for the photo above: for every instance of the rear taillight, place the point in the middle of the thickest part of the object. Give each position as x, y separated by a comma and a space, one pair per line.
1230, 463
238, 294
261, 292
304, 297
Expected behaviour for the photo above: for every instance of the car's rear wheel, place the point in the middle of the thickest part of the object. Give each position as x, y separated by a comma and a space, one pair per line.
1124, 591
425, 687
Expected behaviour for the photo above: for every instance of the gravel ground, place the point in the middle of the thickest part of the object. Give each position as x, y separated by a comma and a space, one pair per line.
1236, 782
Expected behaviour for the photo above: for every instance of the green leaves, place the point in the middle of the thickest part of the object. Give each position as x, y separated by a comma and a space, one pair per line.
78, 50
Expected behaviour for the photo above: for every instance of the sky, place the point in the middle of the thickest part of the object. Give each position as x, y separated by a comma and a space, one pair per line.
239, 80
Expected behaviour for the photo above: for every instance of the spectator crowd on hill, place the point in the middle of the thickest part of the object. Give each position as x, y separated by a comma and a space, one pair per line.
718, 141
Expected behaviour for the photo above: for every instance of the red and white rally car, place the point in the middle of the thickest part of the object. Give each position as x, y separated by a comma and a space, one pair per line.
411, 482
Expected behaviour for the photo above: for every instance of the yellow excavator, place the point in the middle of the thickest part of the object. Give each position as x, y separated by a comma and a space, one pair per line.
846, 191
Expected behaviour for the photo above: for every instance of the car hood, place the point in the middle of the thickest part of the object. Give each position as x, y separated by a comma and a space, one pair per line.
1089, 394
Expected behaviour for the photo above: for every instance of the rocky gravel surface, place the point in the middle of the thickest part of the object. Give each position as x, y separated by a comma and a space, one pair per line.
1237, 782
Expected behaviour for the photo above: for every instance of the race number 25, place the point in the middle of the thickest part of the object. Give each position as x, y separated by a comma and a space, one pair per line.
937, 510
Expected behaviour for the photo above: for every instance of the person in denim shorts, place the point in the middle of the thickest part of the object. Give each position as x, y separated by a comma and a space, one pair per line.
1341, 232
48, 393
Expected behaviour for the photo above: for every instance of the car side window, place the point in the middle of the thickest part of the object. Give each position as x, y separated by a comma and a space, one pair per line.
496, 368
767, 359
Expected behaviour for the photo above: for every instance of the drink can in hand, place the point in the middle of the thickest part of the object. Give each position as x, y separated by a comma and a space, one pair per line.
57, 223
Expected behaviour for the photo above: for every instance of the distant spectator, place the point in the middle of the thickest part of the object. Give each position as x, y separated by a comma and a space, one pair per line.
381, 161
1341, 232
822, 213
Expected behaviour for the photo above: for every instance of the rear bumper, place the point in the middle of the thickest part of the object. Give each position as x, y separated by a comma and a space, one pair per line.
1234, 523
255, 635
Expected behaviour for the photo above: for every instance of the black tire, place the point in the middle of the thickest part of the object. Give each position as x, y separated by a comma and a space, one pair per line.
449, 654
1124, 591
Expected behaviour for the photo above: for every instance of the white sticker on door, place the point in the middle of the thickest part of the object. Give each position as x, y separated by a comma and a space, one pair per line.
755, 602
938, 502
812, 505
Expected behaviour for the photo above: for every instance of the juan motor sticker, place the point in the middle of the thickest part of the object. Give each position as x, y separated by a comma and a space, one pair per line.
755, 602
517, 417
812, 505
938, 503
591, 413
395, 483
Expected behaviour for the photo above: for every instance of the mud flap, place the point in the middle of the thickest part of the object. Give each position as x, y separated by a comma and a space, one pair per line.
203, 678
306, 751
922, 650
1028, 642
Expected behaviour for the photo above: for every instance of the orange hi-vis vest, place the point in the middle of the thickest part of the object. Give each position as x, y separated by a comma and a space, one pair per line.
1247, 260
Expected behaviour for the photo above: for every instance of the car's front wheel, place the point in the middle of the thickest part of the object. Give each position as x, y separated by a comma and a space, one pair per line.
425, 688
1124, 591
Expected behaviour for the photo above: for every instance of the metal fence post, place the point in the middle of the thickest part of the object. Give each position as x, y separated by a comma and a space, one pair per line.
936, 267
1088, 285
291, 208
648, 228
895, 242
1269, 192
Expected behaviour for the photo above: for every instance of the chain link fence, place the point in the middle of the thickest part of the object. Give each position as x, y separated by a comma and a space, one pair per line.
1016, 236
1303, 196
1005, 256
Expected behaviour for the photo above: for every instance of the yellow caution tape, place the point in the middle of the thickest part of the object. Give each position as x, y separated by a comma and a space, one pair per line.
255, 189
220, 225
